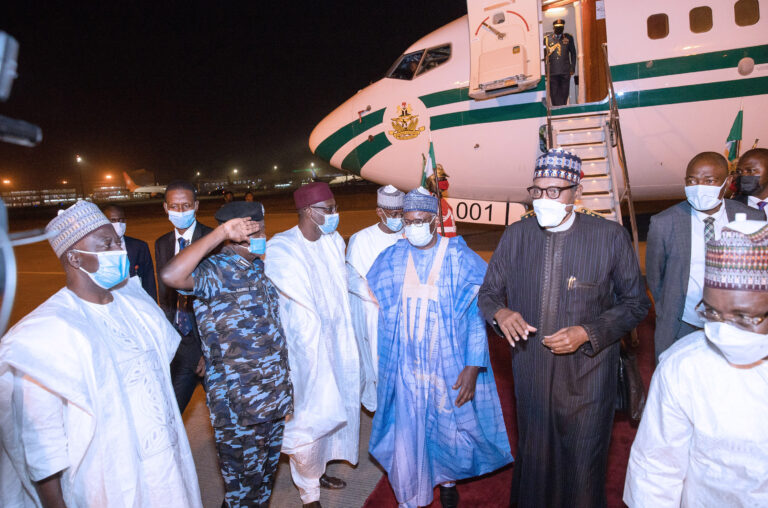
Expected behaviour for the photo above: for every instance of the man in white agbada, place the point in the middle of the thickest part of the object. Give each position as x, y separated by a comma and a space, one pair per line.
364, 247
703, 439
88, 416
306, 263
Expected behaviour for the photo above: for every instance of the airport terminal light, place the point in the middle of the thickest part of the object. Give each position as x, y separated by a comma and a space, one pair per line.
6, 181
78, 159
109, 177
234, 171
64, 182
197, 174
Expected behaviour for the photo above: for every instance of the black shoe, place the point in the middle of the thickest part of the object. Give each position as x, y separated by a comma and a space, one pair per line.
313, 504
449, 497
331, 482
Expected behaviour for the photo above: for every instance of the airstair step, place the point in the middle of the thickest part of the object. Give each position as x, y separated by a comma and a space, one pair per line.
594, 167
597, 151
580, 137
597, 202
596, 184
578, 122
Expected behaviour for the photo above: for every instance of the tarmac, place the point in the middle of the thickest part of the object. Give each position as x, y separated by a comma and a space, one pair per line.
40, 275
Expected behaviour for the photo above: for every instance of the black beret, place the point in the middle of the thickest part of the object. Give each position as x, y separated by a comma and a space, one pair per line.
238, 209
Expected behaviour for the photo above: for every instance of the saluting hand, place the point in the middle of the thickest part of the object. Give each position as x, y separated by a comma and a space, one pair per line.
512, 325
238, 230
566, 340
466, 381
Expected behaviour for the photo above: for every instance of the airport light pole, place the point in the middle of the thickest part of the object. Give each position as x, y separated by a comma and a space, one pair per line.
79, 161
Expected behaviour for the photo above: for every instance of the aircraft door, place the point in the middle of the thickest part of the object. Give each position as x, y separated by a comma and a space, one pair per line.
504, 47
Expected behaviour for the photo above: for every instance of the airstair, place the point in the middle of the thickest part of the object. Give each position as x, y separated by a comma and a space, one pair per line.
596, 139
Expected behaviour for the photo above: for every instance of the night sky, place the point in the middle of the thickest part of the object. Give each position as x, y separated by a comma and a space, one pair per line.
179, 87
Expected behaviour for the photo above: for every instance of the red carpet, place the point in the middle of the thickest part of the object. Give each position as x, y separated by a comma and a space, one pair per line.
492, 490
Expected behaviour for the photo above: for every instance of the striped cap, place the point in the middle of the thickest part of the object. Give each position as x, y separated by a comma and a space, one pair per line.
420, 200
558, 163
73, 224
390, 198
739, 259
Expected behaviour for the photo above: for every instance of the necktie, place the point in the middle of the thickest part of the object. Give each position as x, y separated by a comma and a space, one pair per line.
709, 229
183, 318
761, 204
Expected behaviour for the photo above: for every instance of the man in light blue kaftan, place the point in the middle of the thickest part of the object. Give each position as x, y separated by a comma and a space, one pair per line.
439, 419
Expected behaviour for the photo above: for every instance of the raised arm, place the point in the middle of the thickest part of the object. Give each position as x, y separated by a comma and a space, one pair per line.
178, 272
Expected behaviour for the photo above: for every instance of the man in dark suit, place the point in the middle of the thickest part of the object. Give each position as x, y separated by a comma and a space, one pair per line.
674, 258
752, 172
560, 48
138, 250
188, 364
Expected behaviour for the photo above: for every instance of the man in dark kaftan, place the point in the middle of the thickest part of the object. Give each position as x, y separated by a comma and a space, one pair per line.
563, 288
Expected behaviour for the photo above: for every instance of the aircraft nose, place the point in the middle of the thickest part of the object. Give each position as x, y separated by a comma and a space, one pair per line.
321, 141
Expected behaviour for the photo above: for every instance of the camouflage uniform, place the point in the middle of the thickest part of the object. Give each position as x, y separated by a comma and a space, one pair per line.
248, 386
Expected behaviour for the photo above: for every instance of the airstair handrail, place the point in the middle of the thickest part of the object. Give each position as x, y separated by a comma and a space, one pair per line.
615, 127
548, 99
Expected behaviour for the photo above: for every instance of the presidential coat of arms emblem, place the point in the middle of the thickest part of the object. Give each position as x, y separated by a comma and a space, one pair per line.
405, 125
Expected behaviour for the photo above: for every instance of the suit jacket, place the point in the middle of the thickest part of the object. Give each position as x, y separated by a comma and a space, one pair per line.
141, 264
165, 248
668, 265
743, 198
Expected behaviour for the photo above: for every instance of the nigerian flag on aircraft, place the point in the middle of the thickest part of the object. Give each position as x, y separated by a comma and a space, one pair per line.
734, 138
429, 165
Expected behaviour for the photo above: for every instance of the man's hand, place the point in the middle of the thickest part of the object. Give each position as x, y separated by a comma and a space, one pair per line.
466, 383
238, 230
566, 340
512, 325
200, 369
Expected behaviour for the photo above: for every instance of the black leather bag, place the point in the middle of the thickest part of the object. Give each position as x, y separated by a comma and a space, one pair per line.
631, 392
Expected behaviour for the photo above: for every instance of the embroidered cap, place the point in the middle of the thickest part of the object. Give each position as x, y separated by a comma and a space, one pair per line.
390, 198
558, 163
420, 200
739, 259
312, 193
73, 224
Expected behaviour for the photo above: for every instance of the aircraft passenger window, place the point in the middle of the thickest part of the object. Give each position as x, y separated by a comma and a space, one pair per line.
658, 26
746, 12
435, 57
700, 19
405, 67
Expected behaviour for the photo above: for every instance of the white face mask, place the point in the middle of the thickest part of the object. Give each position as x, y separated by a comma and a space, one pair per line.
703, 197
420, 235
738, 346
119, 228
549, 212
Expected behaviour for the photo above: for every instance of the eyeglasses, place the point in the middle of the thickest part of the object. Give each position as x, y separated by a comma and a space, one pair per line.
709, 314
326, 209
417, 222
393, 214
552, 192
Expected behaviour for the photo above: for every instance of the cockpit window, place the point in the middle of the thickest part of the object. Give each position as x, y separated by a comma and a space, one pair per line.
406, 66
435, 57
417, 63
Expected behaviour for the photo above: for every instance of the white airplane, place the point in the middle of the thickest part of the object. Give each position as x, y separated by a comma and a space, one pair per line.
150, 190
476, 87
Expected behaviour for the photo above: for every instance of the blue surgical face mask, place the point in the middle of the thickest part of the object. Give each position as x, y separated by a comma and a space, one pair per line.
258, 246
419, 235
394, 223
330, 224
181, 220
113, 268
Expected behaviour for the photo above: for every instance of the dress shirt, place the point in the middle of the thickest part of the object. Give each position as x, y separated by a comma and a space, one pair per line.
698, 251
187, 236
754, 200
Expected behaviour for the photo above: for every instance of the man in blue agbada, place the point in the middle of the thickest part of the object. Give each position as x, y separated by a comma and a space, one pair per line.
439, 419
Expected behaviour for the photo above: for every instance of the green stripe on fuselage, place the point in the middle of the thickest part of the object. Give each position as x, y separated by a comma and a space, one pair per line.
332, 143
358, 157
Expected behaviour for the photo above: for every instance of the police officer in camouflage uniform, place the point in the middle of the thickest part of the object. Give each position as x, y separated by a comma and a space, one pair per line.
248, 386
561, 50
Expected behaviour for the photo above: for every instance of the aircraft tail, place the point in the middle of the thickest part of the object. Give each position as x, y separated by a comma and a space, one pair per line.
129, 183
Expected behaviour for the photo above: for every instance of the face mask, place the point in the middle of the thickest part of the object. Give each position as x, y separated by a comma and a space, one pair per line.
749, 184
258, 246
419, 235
394, 224
181, 220
443, 185
330, 224
119, 228
739, 347
549, 212
703, 197
113, 268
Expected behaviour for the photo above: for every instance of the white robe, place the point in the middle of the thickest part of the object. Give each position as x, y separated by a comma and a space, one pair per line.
364, 247
703, 438
322, 352
107, 366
